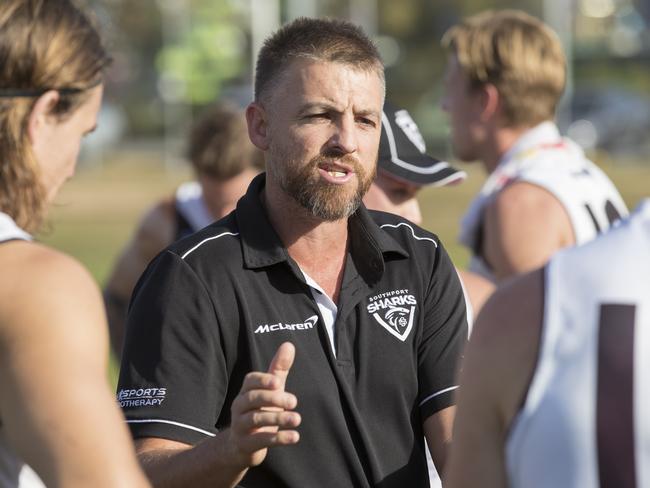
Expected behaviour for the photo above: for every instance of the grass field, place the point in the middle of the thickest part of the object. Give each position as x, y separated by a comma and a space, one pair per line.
96, 212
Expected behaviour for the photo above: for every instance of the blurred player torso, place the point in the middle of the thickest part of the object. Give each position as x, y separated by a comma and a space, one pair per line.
543, 158
191, 211
585, 422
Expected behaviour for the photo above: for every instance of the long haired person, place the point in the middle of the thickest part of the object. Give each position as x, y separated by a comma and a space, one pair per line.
59, 422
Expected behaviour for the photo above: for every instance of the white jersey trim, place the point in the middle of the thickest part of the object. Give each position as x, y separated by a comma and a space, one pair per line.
412, 232
438, 393
170, 422
206, 240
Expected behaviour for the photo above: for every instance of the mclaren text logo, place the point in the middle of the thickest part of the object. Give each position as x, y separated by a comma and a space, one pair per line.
141, 397
307, 324
394, 311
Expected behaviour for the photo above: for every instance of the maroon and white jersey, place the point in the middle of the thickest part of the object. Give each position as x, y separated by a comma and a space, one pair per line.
586, 419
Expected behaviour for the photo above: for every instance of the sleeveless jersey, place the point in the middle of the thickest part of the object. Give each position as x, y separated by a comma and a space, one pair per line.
192, 213
586, 418
542, 157
13, 472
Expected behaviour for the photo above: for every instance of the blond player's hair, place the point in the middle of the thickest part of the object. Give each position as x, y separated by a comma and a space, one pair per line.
44, 45
518, 54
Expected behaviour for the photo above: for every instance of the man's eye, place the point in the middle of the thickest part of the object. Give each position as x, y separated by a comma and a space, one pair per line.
322, 115
365, 121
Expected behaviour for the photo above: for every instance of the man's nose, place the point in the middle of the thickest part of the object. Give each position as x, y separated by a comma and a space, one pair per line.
345, 135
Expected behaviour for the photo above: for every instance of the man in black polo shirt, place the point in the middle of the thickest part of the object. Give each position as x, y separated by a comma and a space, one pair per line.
301, 319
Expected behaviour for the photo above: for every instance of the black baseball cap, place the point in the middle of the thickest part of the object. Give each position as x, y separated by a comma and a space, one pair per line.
402, 152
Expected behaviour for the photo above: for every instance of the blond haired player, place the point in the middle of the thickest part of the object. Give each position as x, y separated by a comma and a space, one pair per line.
505, 75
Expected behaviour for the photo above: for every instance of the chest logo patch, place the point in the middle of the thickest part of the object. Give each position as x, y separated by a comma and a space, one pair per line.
394, 311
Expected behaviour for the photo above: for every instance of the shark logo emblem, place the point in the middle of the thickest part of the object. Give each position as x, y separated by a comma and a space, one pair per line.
394, 311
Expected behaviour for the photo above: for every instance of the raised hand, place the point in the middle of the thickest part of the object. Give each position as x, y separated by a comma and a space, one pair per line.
261, 413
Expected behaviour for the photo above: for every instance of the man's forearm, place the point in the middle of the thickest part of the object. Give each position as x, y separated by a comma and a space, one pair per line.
208, 464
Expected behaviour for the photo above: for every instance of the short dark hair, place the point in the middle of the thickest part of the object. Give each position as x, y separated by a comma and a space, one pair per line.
219, 146
330, 40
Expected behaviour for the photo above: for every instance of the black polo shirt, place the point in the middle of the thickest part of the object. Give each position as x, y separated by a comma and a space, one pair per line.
219, 303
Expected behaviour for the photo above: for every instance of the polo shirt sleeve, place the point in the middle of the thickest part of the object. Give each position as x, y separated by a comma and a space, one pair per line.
173, 377
443, 337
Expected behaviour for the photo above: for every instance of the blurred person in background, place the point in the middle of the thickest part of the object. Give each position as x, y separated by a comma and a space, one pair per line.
404, 168
224, 162
505, 75
59, 420
554, 389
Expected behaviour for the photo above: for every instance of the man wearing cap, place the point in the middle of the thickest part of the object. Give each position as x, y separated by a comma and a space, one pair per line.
403, 169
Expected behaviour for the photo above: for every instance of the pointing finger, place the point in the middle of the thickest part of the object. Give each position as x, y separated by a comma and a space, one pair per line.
282, 362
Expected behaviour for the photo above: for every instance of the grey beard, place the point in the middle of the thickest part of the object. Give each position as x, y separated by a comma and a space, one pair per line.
320, 202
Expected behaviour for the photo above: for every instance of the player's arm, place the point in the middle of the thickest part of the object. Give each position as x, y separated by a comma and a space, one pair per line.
438, 433
262, 417
496, 372
154, 233
524, 226
57, 410
477, 290
444, 336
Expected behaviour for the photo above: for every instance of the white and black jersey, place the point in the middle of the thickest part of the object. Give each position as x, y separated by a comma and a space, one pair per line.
545, 159
191, 213
586, 419
217, 305
14, 473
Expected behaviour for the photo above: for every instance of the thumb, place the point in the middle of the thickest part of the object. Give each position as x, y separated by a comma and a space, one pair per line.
282, 361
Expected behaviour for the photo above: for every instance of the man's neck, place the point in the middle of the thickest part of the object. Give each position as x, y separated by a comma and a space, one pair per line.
500, 141
318, 247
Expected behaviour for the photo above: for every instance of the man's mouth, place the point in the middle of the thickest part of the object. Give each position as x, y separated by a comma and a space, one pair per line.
335, 170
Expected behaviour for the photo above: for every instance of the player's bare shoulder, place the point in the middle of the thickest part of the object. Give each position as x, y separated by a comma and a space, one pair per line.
505, 340
521, 201
524, 225
42, 285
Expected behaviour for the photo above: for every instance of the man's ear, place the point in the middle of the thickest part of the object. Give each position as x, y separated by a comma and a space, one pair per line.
41, 118
491, 101
258, 128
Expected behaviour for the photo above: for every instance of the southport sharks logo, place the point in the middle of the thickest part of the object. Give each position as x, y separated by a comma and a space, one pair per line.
394, 311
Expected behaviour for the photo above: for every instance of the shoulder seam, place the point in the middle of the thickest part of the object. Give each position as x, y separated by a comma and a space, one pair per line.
395, 226
187, 253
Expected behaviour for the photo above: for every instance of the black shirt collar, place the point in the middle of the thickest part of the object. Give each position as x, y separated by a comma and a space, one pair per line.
262, 246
